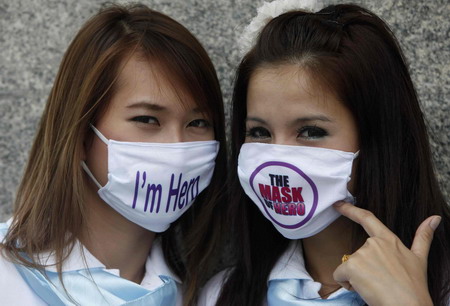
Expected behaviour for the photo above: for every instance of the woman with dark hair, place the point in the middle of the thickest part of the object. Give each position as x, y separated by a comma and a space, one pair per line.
125, 171
321, 98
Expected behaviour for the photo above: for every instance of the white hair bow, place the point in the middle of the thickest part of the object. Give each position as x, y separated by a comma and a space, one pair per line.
267, 12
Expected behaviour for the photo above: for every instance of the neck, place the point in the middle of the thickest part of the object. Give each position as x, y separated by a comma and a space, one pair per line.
323, 253
115, 241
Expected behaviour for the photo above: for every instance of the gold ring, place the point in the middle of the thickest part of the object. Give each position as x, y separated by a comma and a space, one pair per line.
345, 258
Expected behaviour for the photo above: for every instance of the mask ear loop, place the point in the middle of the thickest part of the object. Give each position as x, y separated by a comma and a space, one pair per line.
100, 135
83, 164
352, 199
85, 167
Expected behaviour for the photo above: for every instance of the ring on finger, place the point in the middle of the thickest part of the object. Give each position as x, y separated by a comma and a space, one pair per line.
345, 258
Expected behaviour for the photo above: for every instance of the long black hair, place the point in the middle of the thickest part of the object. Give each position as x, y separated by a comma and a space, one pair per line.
355, 54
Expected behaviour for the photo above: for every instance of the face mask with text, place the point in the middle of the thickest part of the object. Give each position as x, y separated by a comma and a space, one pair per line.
153, 184
295, 187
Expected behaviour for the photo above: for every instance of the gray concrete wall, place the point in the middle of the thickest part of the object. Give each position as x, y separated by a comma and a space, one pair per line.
34, 34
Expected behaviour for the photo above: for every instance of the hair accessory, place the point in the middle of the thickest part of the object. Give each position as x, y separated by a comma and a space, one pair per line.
345, 258
267, 12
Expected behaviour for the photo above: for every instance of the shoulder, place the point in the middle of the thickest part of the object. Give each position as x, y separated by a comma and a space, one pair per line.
13, 288
211, 291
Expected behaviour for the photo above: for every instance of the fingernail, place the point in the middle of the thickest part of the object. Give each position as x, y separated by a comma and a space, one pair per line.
434, 223
339, 203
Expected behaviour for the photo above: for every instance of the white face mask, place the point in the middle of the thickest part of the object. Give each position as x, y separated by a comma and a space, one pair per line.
295, 186
153, 184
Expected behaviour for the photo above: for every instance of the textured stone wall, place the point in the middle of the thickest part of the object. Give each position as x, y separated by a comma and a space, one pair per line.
34, 34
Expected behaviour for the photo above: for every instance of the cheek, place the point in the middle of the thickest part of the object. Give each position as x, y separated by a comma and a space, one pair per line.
210, 135
351, 184
199, 135
97, 160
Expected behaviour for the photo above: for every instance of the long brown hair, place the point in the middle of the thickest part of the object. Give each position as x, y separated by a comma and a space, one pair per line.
49, 209
351, 51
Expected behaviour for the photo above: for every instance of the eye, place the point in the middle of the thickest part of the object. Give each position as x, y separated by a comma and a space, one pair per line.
199, 123
146, 119
311, 132
258, 133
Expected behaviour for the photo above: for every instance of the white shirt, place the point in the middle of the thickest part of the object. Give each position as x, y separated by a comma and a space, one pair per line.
290, 265
15, 291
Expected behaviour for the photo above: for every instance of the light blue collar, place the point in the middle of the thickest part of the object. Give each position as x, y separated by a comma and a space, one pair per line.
96, 287
289, 283
93, 286
289, 292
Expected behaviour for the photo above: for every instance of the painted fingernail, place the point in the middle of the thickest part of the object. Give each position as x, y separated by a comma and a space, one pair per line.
434, 223
339, 203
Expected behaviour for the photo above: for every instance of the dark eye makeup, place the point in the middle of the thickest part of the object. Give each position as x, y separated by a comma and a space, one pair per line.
258, 133
145, 119
311, 132
305, 132
199, 123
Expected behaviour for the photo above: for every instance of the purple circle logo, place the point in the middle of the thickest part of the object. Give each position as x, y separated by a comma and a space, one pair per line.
289, 197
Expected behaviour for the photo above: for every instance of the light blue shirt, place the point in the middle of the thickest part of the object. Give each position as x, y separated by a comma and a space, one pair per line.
15, 287
289, 284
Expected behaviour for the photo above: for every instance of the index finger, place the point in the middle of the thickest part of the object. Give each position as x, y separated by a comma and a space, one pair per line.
363, 217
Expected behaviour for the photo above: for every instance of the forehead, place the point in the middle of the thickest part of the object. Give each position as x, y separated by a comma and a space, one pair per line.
287, 85
140, 77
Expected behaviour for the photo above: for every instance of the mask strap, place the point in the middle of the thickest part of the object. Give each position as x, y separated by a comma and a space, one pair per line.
100, 135
356, 154
85, 167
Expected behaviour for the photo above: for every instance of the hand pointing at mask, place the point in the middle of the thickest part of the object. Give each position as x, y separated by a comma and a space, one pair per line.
384, 271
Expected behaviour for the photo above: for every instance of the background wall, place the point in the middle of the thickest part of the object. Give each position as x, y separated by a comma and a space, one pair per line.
34, 34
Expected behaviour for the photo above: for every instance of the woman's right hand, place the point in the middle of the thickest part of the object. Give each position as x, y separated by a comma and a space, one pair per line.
384, 271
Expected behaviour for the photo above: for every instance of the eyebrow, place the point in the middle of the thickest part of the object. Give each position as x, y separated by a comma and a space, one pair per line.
312, 118
198, 110
159, 108
147, 105
256, 119
296, 121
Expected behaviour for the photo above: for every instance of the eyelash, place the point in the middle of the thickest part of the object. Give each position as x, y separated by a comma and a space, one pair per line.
312, 129
145, 119
252, 132
205, 123
319, 133
197, 123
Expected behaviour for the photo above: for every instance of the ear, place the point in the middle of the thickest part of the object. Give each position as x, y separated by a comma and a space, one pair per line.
87, 143
83, 152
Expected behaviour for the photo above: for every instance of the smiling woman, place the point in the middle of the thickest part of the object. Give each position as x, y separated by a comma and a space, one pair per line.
311, 114
151, 106
124, 173
323, 104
